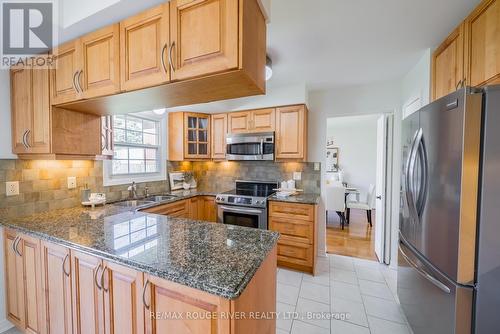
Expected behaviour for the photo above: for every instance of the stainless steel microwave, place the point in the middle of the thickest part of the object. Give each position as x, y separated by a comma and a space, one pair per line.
250, 146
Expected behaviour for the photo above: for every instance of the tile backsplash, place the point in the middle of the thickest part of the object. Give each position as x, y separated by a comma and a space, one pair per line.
225, 173
43, 184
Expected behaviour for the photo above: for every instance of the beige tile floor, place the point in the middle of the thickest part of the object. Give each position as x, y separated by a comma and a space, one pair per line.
363, 290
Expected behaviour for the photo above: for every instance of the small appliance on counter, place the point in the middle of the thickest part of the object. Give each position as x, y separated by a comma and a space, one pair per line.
95, 199
246, 205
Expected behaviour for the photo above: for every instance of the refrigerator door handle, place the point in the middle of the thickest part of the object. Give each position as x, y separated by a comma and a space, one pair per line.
410, 173
424, 273
424, 176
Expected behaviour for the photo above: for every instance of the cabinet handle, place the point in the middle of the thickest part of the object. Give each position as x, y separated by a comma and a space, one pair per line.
16, 244
95, 276
28, 138
25, 143
64, 265
78, 80
144, 295
102, 279
459, 85
74, 82
163, 57
170, 61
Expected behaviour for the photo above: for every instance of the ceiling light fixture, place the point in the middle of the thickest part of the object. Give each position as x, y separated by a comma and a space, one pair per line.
269, 68
159, 112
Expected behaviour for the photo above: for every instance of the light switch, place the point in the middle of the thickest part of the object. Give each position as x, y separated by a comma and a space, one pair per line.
297, 176
316, 166
12, 188
71, 182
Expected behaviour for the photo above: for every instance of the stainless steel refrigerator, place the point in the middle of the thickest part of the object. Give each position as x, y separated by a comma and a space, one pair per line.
449, 229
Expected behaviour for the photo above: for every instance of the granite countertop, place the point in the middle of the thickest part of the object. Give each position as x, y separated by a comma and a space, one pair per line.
215, 258
301, 198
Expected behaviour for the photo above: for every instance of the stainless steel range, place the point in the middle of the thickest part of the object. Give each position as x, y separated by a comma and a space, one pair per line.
246, 205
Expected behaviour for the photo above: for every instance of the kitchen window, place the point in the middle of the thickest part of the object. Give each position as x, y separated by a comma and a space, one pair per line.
138, 151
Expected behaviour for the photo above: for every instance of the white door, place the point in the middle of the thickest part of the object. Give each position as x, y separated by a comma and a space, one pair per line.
380, 189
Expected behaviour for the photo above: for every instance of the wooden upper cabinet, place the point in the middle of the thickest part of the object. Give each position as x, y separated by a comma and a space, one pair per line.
263, 120
482, 31
56, 283
448, 65
144, 47
239, 122
30, 111
64, 85
204, 37
219, 132
189, 136
291, 132
100, 62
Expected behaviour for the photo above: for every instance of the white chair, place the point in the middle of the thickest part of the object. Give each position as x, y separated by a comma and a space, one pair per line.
335, 201
368, 205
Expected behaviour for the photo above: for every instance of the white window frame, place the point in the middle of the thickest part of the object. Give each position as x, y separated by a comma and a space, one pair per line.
113, 180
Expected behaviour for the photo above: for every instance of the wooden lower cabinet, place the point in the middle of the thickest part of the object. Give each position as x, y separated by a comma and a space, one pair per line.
297, 225
23, 281
123, 306
56, 285
197, 208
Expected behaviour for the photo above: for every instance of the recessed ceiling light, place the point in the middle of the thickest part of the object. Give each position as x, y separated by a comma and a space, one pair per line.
269, 68
159, 112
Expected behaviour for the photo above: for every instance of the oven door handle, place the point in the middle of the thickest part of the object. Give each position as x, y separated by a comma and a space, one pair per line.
238, 210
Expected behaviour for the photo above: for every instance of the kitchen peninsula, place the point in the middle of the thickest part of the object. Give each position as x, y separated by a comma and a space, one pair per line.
115, 269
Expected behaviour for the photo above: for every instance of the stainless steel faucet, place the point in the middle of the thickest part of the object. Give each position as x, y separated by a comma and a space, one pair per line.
146, 191
132, 191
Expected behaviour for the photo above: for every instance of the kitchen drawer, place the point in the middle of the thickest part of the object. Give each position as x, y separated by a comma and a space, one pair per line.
291, 211
176, 209
295, 253
297, 230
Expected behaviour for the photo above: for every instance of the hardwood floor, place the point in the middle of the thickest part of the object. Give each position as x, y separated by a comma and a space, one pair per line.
356, 240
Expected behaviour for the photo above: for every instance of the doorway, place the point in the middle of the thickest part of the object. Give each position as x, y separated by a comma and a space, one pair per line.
359, 155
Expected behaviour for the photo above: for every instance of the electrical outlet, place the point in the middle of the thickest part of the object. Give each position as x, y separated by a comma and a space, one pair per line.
316, 166
12, 188
71, 182
297, 176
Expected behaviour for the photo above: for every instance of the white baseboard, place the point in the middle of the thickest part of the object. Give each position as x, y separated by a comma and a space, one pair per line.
5, 325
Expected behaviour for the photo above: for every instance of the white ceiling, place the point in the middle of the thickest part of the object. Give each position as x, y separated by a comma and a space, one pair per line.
321, 43
327, 43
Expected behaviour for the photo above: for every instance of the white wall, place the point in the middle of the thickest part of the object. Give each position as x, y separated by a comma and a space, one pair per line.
416, 84
356, 138
372, 99
5, 128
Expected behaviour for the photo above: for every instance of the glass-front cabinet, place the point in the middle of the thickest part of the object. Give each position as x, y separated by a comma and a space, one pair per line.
197, 132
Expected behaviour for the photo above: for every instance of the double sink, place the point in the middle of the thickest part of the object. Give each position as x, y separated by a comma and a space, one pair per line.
138, 203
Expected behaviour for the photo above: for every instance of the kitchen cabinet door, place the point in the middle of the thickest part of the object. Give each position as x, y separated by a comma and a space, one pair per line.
14, 281
204, 37
448, 65
162, 297
239, 122
30, 110
197, 136
208, 208
100, 62
88, 313
219, 132
263, 120
28, 249
483, 44
64, 86
193, 208
144, 45
123, 307
56, 283
291, 132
